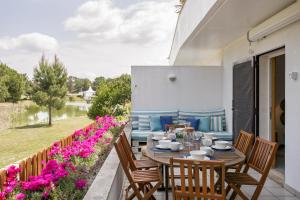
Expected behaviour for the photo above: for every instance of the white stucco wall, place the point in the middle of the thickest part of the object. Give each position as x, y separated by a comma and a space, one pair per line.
238, 50
191, 14
195, 88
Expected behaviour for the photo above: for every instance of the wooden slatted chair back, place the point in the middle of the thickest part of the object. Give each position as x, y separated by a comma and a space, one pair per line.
198, 179
123, 159
127, 150
262, 156
244, 142
127, 144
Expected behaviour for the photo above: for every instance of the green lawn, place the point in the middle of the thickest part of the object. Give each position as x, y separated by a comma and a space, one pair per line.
19, 143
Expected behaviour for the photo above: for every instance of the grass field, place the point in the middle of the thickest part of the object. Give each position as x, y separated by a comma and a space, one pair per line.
19, 143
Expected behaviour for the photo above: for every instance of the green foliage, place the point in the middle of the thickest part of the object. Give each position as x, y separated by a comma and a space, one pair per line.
111, 97
78, 84
66, 190
98, 82
50, 85
28, 87
12, 84
3, 90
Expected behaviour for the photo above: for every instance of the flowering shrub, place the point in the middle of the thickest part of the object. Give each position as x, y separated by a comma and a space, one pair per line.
62, 176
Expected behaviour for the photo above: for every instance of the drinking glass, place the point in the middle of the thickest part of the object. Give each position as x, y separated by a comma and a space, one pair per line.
207, 142
197, 135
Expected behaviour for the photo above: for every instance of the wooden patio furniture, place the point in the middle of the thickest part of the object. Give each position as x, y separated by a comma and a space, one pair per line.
198, 179
260, 160
136, 164
140, 181
243, 144
173, 126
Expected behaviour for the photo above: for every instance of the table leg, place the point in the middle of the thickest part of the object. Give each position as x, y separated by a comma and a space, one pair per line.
166, 181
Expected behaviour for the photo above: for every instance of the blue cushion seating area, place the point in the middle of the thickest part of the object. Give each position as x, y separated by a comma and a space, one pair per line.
147, 122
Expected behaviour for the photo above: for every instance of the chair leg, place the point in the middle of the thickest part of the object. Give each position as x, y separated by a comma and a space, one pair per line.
150, 193
228, 188
236, 190
148, 188
257, 192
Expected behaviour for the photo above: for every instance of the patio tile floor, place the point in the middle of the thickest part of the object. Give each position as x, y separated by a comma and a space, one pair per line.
271, 191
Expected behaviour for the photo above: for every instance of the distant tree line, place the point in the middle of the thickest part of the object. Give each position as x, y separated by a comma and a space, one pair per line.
50, 85
76, 84
13, 84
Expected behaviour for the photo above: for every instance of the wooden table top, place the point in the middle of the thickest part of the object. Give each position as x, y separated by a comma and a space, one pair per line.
230, 157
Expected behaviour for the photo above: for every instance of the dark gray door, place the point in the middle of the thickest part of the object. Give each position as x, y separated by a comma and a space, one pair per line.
243, 98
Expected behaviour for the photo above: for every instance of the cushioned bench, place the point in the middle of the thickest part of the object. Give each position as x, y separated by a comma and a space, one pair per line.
141, 122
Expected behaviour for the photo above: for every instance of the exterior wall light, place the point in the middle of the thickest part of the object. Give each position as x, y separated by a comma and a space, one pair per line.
293, 75
172, 77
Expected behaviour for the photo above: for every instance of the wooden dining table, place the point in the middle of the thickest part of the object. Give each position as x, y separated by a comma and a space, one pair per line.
230, 157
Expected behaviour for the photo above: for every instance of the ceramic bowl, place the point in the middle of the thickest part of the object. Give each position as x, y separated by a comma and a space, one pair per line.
198, 154
221, 144
164, 143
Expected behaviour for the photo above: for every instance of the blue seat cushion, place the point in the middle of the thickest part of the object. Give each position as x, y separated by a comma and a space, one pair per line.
223, 135
141, 136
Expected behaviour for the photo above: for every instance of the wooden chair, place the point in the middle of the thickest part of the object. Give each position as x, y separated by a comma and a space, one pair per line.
140, 181
194, 183
173, 126
136, 164
243, 144
261, 159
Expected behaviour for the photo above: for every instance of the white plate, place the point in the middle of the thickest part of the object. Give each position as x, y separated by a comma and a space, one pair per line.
160, 147
180, 149
213, 138
157, 138
218, 148
190, 157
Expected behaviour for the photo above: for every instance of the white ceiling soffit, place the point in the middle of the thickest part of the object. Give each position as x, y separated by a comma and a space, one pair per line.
226, 21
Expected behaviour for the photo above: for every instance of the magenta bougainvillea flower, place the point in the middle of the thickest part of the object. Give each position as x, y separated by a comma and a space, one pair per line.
20, 196
62, 162
80, 184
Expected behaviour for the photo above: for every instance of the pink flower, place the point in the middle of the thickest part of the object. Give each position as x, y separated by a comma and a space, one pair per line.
8, 189
20, 196
2, 195
45, 194
80, 183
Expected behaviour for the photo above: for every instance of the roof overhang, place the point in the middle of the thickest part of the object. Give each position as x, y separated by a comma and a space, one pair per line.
226, 21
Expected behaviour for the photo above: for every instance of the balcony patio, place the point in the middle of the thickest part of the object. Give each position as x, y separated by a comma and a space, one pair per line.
111, 183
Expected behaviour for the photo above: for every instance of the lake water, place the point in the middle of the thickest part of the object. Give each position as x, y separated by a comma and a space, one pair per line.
35, 115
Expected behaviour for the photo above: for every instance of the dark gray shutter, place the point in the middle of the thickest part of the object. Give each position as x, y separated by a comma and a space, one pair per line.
243, 98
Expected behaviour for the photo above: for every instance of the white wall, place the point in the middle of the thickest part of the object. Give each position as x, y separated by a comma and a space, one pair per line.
237, 50
195, 88
190, 16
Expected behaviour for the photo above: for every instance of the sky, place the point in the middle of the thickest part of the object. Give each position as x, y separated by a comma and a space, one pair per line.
92, 38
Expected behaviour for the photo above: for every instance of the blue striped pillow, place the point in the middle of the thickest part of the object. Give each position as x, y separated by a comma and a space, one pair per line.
135, 125
144, 122
183, 115
216, 124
